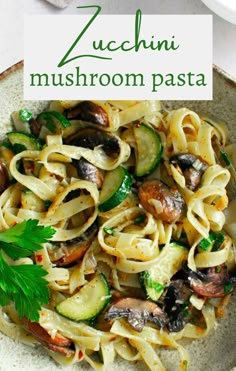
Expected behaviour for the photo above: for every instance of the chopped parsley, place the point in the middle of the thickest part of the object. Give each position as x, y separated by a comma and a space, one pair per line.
110, 231
25, 115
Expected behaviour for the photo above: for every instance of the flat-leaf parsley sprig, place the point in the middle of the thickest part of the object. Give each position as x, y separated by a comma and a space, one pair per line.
24, 284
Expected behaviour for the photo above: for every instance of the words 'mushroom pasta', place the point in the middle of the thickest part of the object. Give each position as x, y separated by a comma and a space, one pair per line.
118, 212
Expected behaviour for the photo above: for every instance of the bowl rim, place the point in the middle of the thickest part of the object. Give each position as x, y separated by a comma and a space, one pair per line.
15, 67
223, 9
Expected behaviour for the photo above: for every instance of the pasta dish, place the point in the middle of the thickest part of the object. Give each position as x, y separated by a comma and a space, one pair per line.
140, 256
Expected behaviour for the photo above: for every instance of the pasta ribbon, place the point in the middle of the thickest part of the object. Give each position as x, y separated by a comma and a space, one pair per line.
96, 157
182, 121
131, 245
203, 216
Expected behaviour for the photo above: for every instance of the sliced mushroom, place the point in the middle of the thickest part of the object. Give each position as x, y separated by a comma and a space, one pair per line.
89, 111
192, 167
67, 254
138, 312
161, 201
88, 171
43, 336
91, 138
4, 177
175, 299
71, 251
212, 282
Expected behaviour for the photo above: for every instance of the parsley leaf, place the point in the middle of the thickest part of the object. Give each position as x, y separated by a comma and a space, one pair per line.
27, 235
4, 298
13, 251
24, 284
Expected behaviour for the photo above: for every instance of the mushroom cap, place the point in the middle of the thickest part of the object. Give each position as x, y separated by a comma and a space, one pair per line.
89, 111
191, 166
212, 282
161, 201
92, 137
138, 312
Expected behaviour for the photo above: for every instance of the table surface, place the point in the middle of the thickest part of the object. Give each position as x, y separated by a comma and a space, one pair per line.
11, 24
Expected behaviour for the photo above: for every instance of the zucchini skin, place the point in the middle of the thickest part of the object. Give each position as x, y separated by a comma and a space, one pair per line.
149, 149
53, 120
121, 186
23, 141
89, 302
154, 286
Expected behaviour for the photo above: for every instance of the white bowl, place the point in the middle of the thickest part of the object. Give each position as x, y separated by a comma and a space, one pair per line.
223, 8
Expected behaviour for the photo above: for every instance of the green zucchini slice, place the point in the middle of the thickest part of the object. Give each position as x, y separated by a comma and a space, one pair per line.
23, 141
116, 186
148, 149
88, 302
53, 121
159, 275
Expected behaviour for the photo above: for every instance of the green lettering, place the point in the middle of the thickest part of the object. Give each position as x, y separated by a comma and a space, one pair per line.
39, 77
65, 59
117, 79
201, 80
78, 76
93, 76
123, 46
138, 22
69, 79
157, 80
164, 44
170, 80
59, 77
181, 79
106, 81
132, 79
190, 75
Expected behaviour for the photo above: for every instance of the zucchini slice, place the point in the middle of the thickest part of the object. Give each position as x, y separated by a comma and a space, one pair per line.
88, 302
159, 275
53, 121
148, 149
116, 186
23, 141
